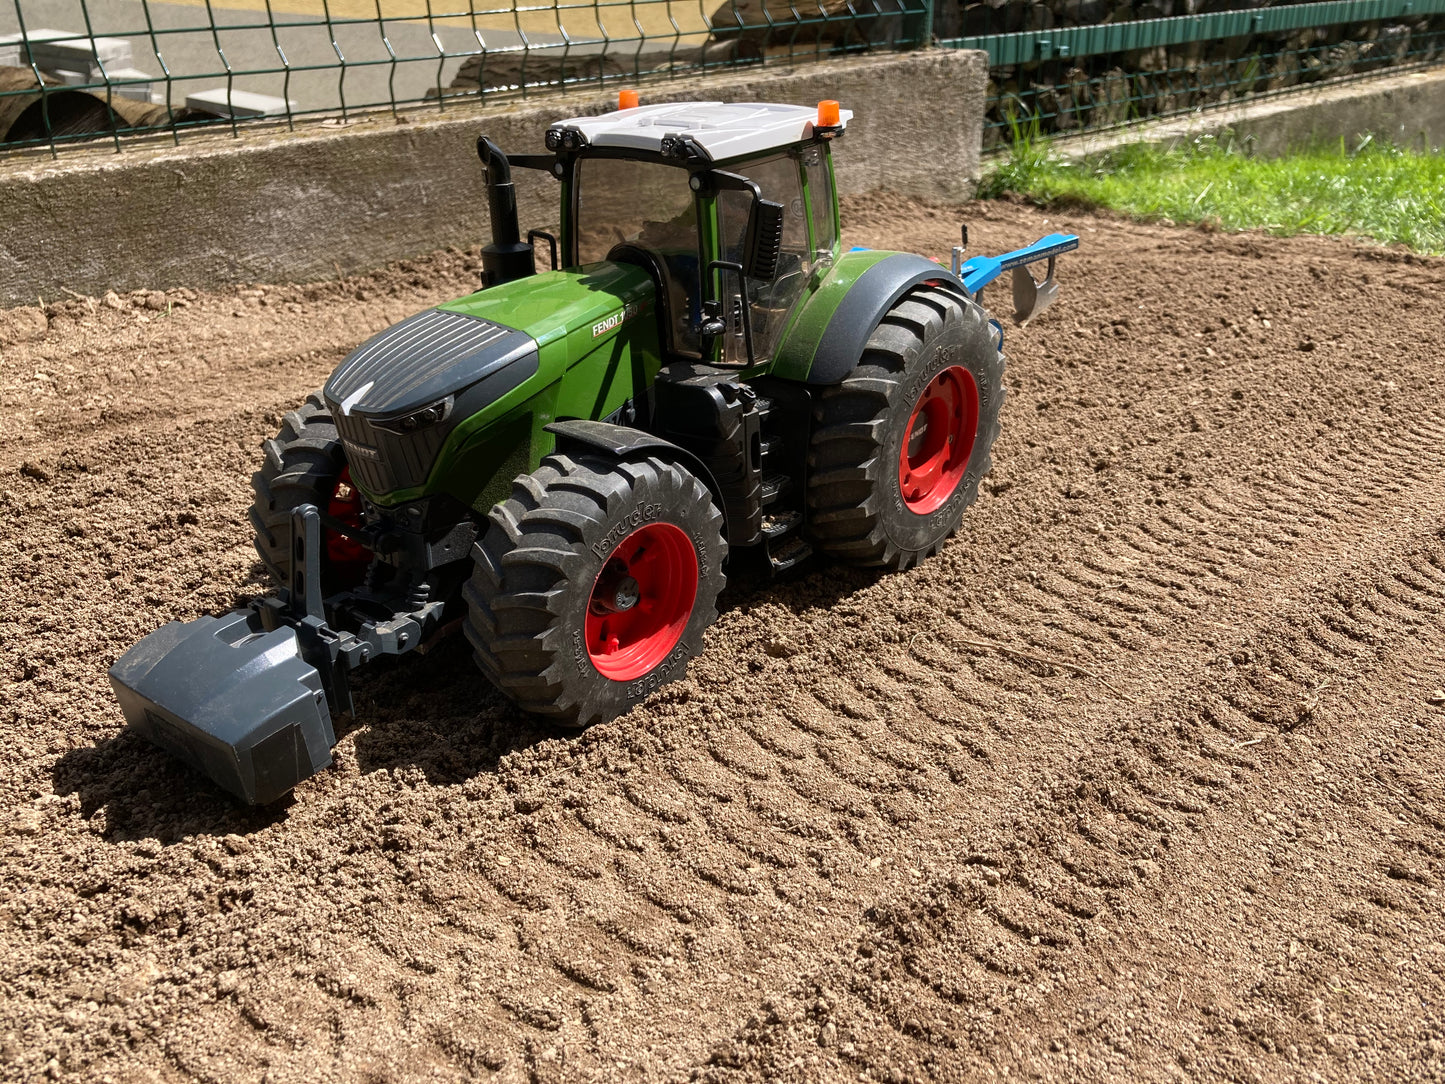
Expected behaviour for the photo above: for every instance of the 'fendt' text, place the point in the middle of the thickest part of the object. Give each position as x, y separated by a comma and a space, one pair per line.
617, 319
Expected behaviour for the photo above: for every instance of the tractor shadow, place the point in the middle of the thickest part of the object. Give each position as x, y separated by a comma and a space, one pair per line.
816, 584
132, 791
433, 714
438, 715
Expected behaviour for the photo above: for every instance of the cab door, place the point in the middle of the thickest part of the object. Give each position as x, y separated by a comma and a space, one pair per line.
770, 303
631, 210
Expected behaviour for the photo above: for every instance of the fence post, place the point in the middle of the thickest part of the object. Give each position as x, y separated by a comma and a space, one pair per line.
918, 26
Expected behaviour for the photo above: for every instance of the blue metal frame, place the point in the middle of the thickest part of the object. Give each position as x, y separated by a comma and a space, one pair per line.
981, 270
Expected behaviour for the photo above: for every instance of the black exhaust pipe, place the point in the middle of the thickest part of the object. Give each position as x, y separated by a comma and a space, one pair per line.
508, 257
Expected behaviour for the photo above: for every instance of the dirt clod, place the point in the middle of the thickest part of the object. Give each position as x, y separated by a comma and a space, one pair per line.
22, 325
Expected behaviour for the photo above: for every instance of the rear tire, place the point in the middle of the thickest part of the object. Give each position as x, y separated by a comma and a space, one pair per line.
305, 464
593, 585
900, 444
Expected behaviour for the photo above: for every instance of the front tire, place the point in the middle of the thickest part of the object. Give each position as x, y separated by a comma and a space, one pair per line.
305, 464
900, 444
593, 585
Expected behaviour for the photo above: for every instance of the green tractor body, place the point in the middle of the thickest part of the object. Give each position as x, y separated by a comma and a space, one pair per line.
561, 463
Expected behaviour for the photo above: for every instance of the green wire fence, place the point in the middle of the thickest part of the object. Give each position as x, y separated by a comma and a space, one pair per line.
124, 71
76, 70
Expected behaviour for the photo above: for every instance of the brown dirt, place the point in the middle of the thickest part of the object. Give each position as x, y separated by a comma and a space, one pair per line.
1139, 780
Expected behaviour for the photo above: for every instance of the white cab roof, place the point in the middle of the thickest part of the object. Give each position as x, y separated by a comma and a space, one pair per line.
724, 130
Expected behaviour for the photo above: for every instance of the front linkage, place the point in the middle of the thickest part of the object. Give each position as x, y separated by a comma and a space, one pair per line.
248, 698
703, 374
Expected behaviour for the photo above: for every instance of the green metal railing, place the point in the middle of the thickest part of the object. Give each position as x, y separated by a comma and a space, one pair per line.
1085, 41
1073, 77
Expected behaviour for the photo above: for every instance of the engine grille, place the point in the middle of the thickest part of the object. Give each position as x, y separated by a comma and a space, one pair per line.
383, 462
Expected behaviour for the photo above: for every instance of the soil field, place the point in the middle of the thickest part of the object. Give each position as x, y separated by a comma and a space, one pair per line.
1140, 779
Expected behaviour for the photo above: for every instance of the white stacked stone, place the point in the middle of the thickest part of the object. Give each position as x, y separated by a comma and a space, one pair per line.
238, 103
77, 60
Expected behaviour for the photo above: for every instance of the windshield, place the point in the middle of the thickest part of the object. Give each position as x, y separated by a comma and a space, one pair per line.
624, 200
650, 206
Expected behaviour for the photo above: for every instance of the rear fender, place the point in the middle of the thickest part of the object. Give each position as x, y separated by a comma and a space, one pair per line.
826, 341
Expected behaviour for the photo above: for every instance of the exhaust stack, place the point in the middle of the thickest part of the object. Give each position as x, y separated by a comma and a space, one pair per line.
508, 257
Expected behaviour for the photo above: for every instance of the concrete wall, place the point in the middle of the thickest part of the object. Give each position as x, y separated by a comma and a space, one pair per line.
1405, 109
297, 205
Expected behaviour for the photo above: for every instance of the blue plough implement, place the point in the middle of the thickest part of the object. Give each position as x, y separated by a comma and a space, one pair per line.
1031, 297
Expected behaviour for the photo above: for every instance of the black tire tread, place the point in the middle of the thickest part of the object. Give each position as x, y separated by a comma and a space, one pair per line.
299, 466
845, 467
524, 574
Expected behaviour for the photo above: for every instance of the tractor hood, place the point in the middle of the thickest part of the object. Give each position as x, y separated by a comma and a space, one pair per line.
422, 360
577, 308
438, 379
399, 395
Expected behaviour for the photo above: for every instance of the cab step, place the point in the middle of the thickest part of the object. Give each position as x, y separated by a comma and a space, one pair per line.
783, 541
775, 487
789, 553
778, 524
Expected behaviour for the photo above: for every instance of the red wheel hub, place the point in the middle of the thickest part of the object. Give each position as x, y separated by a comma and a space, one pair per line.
939, 440
349, 559
641, 601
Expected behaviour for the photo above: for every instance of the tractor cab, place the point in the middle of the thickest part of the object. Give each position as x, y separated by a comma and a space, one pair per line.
731, 208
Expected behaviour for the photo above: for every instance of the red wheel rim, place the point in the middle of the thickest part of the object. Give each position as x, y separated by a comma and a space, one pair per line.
641, 601
938, 442
349, 559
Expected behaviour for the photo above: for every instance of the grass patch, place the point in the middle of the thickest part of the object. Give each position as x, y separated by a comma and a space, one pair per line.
1374, 190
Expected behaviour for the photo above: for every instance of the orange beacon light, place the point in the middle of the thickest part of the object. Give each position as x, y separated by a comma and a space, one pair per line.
830, 120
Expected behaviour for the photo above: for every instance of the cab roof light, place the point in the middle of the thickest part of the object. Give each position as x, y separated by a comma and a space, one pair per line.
830, 121
627, 99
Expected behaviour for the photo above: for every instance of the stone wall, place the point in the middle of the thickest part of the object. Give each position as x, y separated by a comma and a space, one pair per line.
295, 206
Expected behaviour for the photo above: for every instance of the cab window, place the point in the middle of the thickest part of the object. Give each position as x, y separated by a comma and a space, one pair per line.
650, 206
820, 199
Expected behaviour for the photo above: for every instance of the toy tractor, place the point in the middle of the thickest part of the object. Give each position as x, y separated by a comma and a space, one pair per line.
562, 463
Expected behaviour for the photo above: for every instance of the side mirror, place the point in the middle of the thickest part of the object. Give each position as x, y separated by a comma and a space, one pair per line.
764, 241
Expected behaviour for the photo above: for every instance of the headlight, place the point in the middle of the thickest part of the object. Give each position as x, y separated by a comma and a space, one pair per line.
424, 418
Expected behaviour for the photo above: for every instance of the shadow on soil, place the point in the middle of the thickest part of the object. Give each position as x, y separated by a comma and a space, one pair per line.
144, 793
433, 713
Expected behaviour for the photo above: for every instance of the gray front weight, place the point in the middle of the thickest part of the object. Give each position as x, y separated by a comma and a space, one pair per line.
235, 701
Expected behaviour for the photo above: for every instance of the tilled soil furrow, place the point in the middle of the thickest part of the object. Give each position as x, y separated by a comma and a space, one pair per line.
909, 958
849, 816
1397, 625
181, 357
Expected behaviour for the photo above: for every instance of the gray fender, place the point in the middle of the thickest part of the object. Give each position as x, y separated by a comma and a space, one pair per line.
623, 442
868, 300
